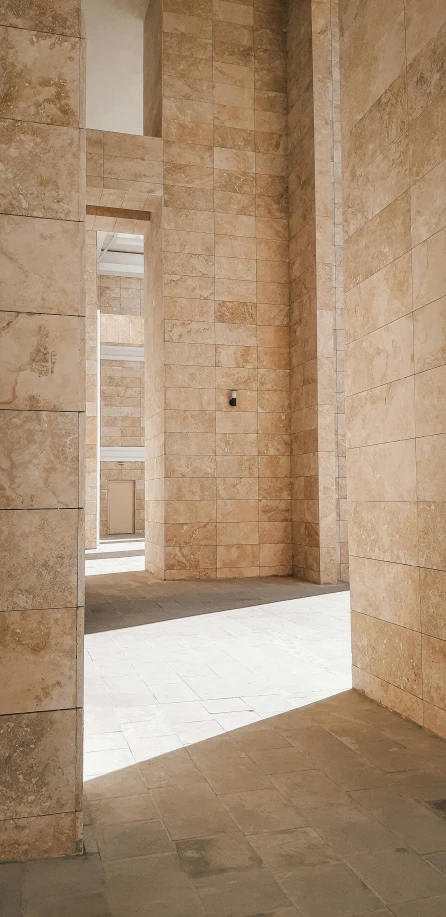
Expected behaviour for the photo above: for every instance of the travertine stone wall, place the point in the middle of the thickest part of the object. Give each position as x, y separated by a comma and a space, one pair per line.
122, 403
42, 398
312, 288
393, 124
220, 492
121, 295
91, 419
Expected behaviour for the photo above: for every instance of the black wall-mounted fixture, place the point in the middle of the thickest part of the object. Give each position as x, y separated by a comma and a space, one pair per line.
233, 399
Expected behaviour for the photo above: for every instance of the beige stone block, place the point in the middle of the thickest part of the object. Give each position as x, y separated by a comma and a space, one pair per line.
196, 243
237, 572
380, 357
190, 443
383, 239
238, 357
236, 97
237, 488
383, 472
429, 271
236, 444
427, 138
423, 19
232, 201
44, 379
431, 468
179, 309
235, 225
190, 354
237, 511
430, 406
42, 746
390, 592
193, 221
191, 557
31, 252
46, 17
434, 663
238, 555
37, 838
274, 229
402, 702
376, 185
184, 332
189, 176
375, 71
237, 533
235, 269
39, 569
32, 186
236, 422
432, 535
432, 596
384, 531
39, 454
430, 335
38, 660
41, 77
180, 197
384, 414
196, 377
227, 377
425, 74
230, 247
234, 333
271, 532
189, 466
189, 421
243, 313
382, 298
190, 511
233, 116
201, 533
388, 652
428, 204
434, 719
187, 399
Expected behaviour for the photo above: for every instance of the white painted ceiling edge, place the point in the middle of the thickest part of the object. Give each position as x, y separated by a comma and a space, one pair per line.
114, 95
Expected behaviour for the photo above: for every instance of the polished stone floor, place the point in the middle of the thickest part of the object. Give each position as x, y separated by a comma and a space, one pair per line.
231, 772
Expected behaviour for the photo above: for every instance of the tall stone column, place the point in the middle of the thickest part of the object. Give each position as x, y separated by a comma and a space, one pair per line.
393, 112
42, 372
92, 348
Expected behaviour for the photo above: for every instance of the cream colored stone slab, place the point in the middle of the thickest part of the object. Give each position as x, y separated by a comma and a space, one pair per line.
427, 138
384, 531
380, 241
430, 404
388, 652
387, 591
31, 253
39, 837
433, 598
383, 472
428, 204
382, 356
38, 460
429, 269
423, 19
51, 16
431, 468
42, 746
379, 300
430, 335
34, 183
39, 551
434, 666
41, 77
384, 414
37, 660
39, 362
432, 535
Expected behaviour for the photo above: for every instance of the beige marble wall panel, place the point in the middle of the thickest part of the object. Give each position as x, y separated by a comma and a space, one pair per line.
395, 356
42, 477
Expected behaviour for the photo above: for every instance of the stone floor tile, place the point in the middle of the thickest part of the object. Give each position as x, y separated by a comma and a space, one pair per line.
192, 811
259, 739
234, 774
350, 830
209, 687
424, 907
427, 784
397, 875
176, 768
240, 894
62, 877
280, 760
262, 810
329, 890
212, 856
335, 759
11, 890
123, 809
412, 821
91, 904
133, 885
309, 788
127, 782
140, 838
284, 852
174, 693
439, 861
389, 756
97, 763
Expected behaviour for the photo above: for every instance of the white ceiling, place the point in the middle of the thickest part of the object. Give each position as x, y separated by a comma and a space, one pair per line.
120, 254
115, 65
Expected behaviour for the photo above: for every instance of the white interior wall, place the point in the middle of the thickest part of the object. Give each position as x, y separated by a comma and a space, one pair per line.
115, 65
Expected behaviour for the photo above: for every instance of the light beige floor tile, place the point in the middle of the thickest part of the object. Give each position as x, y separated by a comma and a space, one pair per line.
398, 875
212, 856
262, 810
243, 894
192, 811
140, 838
